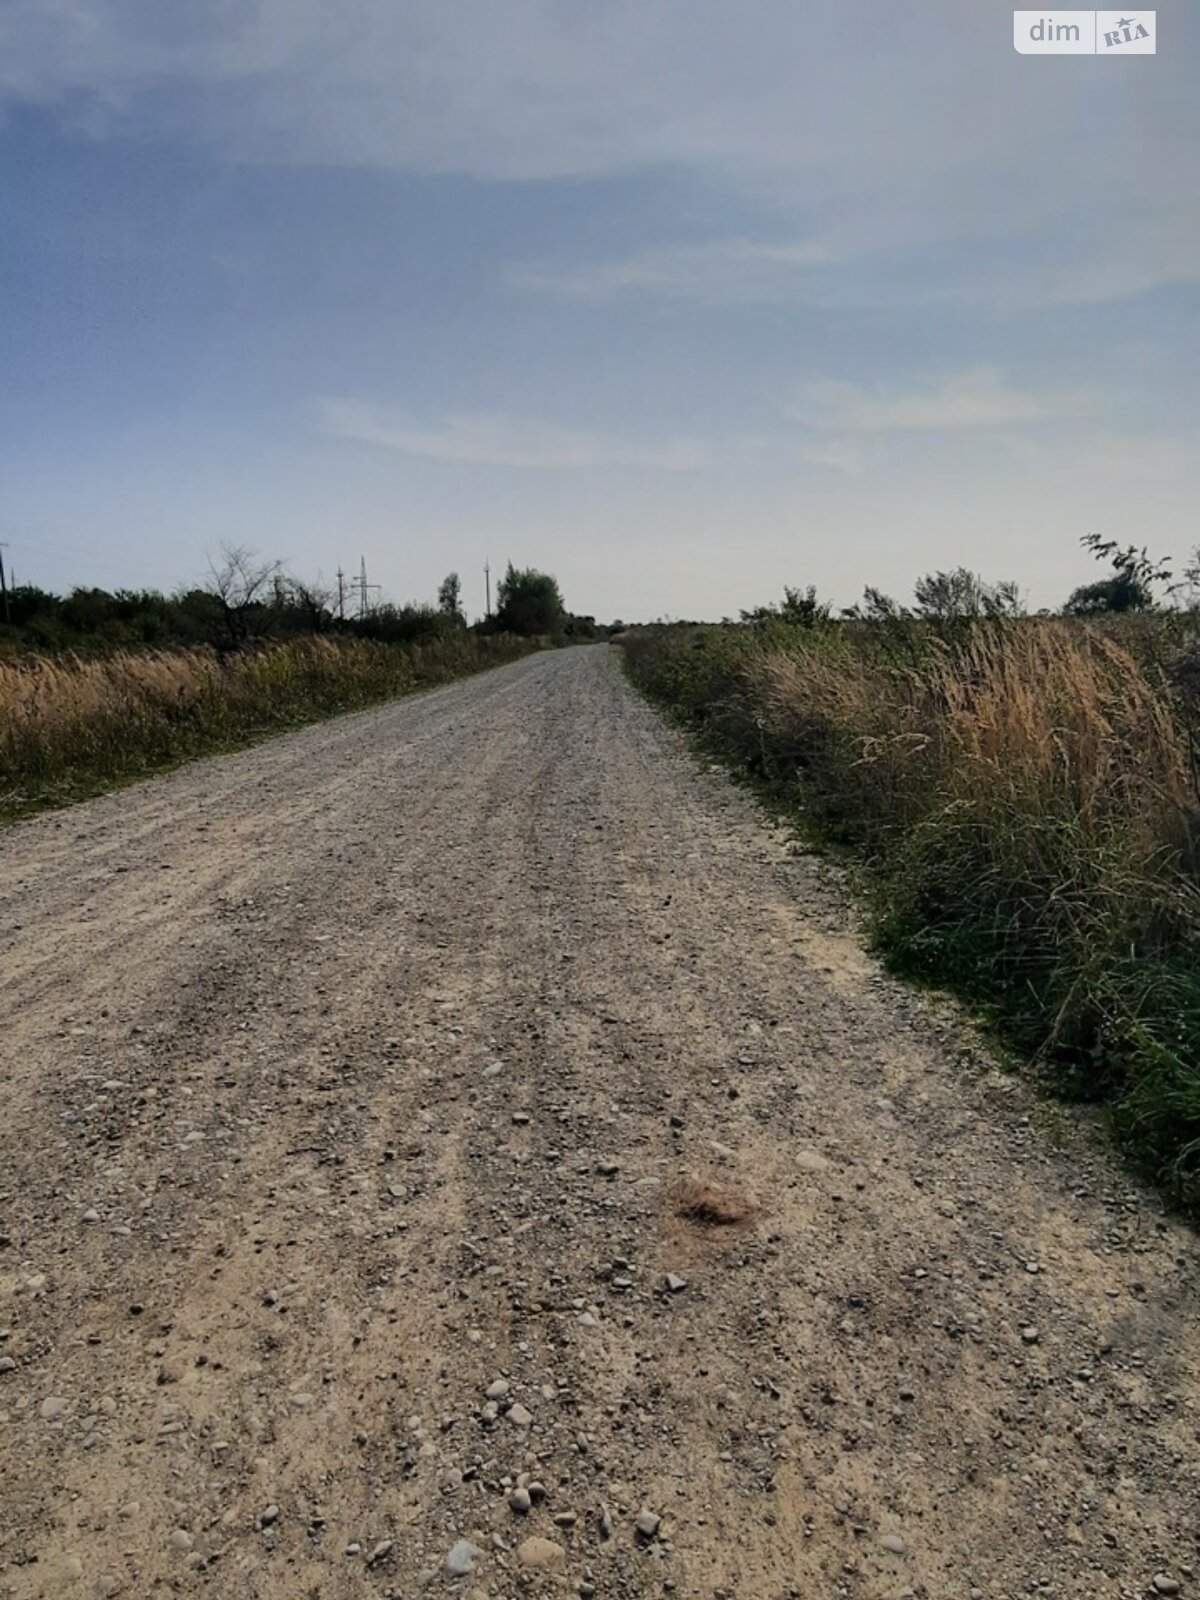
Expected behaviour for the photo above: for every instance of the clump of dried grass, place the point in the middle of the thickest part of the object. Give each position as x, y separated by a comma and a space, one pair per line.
710, 1204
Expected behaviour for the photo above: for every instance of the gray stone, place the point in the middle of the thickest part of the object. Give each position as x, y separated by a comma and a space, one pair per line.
461, 1560
648, 1524
675, 1284
520, 1500
1165, 1585
893, 1544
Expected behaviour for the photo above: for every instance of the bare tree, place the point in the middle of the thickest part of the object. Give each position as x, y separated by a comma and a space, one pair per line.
240, 582
313, 600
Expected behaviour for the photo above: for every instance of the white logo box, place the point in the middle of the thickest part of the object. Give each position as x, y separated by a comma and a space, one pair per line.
1084, 33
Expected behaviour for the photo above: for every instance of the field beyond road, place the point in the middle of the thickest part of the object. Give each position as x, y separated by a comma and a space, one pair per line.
476, 1087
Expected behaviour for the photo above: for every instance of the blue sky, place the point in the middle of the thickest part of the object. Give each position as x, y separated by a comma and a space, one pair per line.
683, 301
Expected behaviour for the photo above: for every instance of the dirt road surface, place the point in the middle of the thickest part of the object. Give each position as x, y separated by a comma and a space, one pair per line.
360, 1093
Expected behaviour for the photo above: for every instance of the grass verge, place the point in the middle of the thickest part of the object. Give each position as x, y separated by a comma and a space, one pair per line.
1022, 799
71, 728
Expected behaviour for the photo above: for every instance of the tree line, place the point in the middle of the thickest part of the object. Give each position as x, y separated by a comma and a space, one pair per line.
246, 599
1136, 582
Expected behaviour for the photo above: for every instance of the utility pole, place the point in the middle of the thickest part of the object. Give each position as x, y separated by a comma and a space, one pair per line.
487, 578
360, 583
341, 594
4, 584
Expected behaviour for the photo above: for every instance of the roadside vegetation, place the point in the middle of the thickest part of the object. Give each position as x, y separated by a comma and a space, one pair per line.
1023, 795
98, 689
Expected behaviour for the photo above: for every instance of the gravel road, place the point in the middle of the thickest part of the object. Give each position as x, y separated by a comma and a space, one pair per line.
461, 1137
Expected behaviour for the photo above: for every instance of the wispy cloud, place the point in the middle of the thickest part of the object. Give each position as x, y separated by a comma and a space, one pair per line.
722, 270
976, 397
872, 261
494, 440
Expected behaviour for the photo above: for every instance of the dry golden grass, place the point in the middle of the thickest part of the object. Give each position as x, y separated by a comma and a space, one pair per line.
1044, 714
68, 726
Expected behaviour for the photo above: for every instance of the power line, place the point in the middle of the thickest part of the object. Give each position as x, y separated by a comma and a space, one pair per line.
363, 587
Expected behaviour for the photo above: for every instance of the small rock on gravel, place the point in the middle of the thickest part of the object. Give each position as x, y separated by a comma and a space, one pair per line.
520, 1416
520, 1501
461, 1560
541, 1555
1164, 1584
648, 1524
53, 1407
893, 1544
810, 1161
675, 1284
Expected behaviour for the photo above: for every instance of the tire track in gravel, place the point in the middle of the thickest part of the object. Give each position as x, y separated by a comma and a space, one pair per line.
387, 1088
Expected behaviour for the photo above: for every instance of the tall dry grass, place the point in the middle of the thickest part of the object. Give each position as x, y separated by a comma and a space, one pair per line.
1024, 797
69, 726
